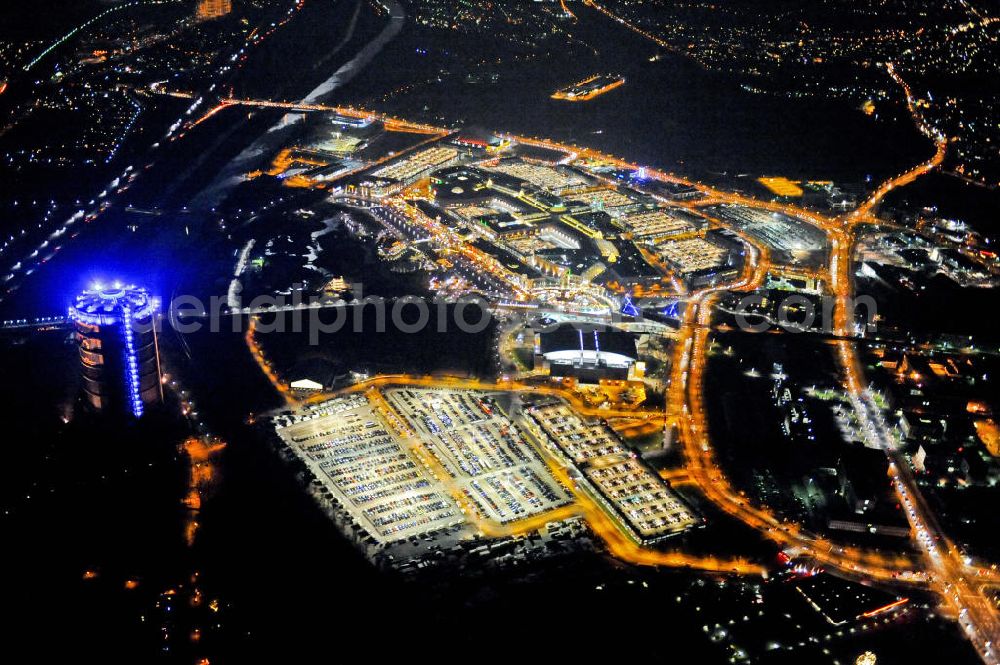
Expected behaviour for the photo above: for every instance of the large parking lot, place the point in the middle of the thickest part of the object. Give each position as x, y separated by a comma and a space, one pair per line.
349, 446
650, 510
478, 446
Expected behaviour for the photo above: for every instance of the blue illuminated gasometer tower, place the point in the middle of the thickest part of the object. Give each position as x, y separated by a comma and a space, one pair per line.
119, 353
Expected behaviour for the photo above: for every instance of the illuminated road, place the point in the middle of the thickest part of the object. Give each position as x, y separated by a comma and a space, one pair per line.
941, 568
631, 26
952, 576
940, 145
685, 408
86, 24
691, 349
391, 123
945, 570
566, 11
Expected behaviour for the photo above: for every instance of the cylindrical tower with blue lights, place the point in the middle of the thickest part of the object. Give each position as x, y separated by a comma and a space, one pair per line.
119, 358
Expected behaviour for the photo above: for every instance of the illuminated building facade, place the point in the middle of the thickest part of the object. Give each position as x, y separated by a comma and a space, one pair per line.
590, 356
119, 358
209, 9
